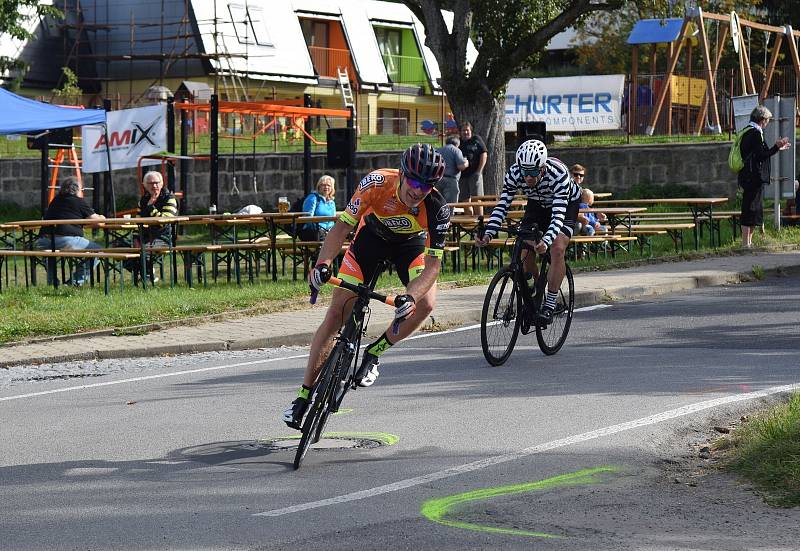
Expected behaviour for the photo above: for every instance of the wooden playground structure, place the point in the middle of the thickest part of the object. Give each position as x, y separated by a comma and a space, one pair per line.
694, 24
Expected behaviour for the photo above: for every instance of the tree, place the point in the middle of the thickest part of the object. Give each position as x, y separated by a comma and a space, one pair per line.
508, 34
15, 16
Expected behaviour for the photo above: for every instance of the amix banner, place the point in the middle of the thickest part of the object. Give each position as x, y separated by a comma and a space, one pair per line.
131, 134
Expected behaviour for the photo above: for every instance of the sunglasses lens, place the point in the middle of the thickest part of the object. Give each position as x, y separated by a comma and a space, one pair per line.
419, 185
533, 172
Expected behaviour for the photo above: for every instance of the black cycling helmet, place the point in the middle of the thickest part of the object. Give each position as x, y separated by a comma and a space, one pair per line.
422, 163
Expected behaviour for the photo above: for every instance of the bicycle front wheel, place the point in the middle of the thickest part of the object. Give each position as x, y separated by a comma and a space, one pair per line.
318, 411
500, 318
552, 337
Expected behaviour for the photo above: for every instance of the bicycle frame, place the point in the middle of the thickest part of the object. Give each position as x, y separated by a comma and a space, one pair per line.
337, 375
517, 264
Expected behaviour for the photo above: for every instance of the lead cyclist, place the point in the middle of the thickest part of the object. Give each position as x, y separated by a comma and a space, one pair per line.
400, 218
553, 203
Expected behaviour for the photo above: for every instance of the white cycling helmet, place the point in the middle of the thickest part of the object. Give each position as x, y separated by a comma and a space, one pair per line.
532, 154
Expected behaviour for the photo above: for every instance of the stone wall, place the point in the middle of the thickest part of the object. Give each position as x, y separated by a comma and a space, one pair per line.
615, 169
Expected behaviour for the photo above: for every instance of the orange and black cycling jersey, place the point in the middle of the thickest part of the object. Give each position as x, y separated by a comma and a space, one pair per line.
377, 206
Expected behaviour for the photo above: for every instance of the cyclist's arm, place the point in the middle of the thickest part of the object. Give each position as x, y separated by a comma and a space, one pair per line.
423, 283
510, 187
333, 242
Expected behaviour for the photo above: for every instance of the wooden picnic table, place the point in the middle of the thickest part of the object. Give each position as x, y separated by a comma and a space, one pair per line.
702, 209
30, 226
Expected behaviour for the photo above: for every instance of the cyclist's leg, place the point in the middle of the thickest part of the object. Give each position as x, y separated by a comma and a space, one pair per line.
558, 249
408, 271
409, 261
358, 266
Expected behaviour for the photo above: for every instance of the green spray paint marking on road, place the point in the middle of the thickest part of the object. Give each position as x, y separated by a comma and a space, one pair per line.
344, 411
436, 509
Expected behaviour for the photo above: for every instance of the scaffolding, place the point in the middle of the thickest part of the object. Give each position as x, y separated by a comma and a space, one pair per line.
90, 37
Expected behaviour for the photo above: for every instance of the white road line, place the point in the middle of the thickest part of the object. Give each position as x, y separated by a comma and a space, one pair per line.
498, 459
148, 377
215, 368
590, 308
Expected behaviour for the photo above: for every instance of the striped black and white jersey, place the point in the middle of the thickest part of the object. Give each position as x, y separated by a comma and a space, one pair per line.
555, 190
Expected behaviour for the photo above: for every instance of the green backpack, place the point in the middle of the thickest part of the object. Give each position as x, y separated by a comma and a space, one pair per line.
735, 161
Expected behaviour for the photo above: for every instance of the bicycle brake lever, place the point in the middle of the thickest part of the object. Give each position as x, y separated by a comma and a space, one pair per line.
313, 298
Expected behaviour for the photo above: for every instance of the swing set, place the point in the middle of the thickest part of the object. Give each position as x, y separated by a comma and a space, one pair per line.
657, 31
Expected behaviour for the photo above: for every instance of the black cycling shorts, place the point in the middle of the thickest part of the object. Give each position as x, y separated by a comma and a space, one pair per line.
542, 216
368, 249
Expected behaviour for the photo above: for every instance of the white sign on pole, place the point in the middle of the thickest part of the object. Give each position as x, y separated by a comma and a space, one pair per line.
131, 134
742, 107
566, 104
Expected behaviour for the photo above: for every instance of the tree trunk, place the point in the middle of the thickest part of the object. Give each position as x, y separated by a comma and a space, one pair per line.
485, 113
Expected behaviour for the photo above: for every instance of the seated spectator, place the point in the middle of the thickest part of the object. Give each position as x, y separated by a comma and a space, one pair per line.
454, 163
157, 201
590, 222
69, 205
319, 203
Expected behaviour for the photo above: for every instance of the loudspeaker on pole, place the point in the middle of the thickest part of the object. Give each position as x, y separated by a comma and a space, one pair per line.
531, 130
341, 146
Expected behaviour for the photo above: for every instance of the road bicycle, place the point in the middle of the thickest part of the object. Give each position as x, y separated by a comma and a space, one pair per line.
512, 303
337, 375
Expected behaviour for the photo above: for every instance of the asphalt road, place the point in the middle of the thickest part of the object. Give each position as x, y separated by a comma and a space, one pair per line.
562, 452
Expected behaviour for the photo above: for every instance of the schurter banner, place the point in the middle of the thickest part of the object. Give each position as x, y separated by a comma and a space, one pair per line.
566, 104
131, 134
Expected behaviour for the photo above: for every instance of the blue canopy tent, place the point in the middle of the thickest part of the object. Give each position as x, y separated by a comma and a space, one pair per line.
26, 116
23, 115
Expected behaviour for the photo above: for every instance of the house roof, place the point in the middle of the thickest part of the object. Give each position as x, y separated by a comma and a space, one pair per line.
275, 51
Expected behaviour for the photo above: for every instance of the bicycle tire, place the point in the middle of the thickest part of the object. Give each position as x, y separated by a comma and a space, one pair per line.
322, 393
552, 337
496, 353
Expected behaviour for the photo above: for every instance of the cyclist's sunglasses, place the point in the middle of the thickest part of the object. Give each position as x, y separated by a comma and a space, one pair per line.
422, 186
532, 172
578, 174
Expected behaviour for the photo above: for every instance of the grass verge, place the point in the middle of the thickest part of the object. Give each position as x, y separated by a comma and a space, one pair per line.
766, 451
42, 311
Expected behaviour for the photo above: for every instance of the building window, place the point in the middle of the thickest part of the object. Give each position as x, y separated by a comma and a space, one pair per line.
258, 22
250, 25
393, 121
390, 44
315, 32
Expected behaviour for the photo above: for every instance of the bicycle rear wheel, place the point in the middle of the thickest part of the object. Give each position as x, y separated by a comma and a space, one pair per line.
552, 337
500, 318
318, 412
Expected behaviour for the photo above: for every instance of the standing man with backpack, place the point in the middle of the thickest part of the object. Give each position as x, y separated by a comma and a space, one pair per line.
754, 174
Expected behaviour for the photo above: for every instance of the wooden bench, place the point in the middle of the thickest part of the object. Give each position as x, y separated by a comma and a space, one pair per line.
101, 255
674, 230
194, 256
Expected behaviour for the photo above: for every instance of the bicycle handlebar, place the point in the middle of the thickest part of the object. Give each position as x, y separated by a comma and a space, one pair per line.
357, 289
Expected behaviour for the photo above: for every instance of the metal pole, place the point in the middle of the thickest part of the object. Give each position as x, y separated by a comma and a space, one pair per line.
44, 172
214, 168
351, 165
171, 141
184, 162
108, 183
307, 149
